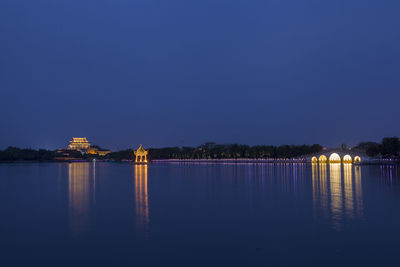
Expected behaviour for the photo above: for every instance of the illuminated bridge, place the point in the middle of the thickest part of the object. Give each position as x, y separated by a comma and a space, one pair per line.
337, 156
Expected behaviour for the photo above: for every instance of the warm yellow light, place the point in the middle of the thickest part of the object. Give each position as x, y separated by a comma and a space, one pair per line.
334, 158
141, 198
141, 155
322, 159
78, 143
103, 152
336, 191
314, 160
357, 159
347, 159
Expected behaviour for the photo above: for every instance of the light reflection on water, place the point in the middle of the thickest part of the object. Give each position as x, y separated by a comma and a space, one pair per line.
336, 196
336, 190
388, 172
175, 214
358, 191
141, 199
348, 190
81, 190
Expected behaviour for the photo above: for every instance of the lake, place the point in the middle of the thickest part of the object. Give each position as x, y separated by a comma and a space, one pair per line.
188, 214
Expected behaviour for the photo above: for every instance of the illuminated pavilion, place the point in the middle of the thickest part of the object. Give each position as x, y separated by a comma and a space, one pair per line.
78, 143
141, 155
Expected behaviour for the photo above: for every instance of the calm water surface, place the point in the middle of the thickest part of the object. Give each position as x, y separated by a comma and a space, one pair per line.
198, 214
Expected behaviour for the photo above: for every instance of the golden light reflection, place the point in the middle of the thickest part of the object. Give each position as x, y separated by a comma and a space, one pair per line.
323, 188
348, 190
358, 191
336, 194
141, 198
79, 195
315, 185
339, 199
320, 189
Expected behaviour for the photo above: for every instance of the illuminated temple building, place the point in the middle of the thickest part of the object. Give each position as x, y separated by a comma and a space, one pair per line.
78, 143
83, 145
77, 147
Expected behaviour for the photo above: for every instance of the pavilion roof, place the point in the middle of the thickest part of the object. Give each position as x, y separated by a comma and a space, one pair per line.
140, 149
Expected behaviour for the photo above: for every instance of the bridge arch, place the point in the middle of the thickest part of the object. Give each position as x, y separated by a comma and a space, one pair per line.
347, 159
334, 158
322, 159
357, 159
314, 159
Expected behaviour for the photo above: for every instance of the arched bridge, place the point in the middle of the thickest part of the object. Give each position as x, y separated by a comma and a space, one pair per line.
337, 156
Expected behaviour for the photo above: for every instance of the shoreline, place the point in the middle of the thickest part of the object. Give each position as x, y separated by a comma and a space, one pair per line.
274, 161
214, 161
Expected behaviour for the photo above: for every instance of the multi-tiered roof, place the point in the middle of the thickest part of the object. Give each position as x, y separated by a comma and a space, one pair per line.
79, 143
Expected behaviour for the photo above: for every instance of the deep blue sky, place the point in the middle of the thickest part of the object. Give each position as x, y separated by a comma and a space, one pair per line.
166, 73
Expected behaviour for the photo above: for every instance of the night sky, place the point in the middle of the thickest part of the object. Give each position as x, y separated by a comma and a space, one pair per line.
175, 73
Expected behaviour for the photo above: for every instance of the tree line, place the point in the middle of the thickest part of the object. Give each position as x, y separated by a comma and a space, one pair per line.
26, 154
215, 151
205, 151
389, 147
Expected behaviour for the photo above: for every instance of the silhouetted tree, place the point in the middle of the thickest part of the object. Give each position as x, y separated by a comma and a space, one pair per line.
390, 146
27, 154
373, 150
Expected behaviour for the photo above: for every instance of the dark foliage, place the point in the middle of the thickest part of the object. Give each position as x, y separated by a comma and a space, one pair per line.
373, 150
214, 151
98, 147
18, 154
366, 145
389, 147
121, 155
